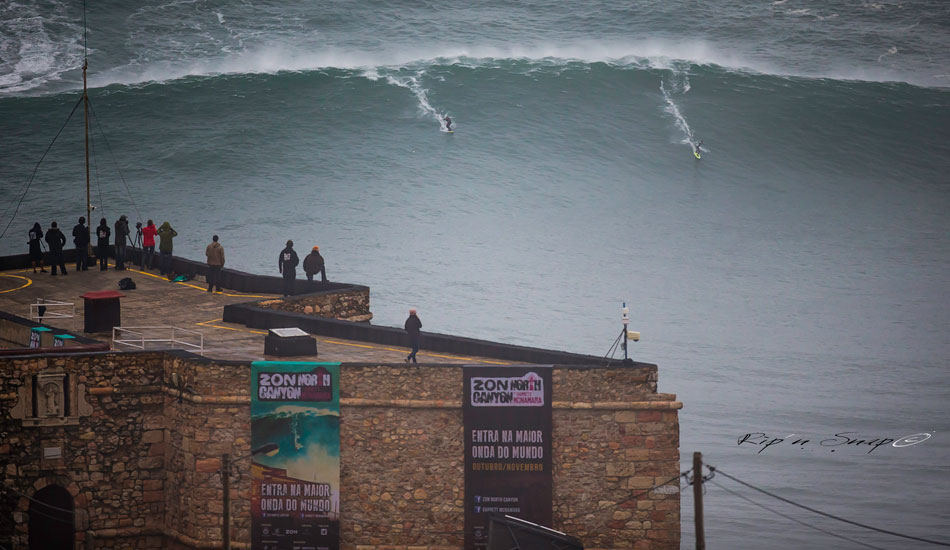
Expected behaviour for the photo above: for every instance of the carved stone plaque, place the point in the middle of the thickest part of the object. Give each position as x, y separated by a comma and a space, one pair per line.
51, 398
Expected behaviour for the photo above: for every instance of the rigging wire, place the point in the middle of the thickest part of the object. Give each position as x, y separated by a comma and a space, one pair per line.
826, 514
95, 118
788, 517
29, 183
95, 164
613, 348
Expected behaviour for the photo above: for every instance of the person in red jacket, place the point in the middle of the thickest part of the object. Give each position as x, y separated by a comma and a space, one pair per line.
148, 243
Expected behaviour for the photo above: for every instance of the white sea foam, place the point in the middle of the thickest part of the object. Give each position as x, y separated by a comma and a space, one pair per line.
277, 57
29, 57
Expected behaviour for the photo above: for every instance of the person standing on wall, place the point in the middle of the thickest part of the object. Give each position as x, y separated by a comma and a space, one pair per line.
314, 264
148, 243
81, 240
165, 234
215, 254
36, 252
287, 265
102, 244
56, 241
121, 239
414, 329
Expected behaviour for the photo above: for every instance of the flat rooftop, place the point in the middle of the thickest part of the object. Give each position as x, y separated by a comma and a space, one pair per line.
187, 305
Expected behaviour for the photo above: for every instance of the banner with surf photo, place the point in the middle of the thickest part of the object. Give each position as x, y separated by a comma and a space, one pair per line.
295, 455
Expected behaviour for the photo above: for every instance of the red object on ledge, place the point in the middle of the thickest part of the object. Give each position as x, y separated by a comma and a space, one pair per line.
99, 294
102, 310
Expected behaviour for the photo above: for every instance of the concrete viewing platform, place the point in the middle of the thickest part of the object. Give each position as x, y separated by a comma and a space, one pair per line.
187, 305
141, 447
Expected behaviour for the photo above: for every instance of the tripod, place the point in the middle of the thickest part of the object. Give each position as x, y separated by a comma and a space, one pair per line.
137, 243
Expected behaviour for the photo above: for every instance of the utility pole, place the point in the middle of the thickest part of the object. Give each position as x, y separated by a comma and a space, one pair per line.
226, 490
698, 500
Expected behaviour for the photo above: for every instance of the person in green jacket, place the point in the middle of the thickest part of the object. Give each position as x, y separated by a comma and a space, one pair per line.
165, 233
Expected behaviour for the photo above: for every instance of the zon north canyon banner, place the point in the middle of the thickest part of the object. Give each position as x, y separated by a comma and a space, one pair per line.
507, 417
295, 463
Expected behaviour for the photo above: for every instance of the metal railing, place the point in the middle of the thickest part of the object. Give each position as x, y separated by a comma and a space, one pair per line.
158, 337
51, 309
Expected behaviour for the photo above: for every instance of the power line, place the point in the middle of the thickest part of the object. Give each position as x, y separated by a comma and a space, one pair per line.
645, 491
793, 503
25, 191
52, 518
788, 517
40, 502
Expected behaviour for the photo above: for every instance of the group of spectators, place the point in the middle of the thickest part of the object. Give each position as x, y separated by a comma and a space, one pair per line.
82, 238
287, 261
145, 236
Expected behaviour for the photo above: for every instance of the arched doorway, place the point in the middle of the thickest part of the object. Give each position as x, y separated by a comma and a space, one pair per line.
52, 519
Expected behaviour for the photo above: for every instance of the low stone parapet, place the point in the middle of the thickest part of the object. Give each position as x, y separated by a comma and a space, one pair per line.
349, 304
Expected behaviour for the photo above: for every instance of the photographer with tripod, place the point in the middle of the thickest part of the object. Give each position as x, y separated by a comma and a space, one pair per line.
137, 242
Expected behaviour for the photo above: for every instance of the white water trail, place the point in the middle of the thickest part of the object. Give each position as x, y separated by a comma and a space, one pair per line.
412, 84
673, 109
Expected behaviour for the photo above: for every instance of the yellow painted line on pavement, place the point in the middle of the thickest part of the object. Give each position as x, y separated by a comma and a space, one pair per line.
28, 282
189, 285
209, 324
404, 350
365, 346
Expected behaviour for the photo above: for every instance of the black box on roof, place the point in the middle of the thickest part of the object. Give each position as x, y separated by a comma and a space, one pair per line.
289, 342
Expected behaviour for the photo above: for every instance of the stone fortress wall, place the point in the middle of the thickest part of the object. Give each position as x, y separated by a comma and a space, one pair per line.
141, 460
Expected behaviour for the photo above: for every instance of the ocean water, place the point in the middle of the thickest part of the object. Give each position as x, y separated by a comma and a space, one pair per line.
795, 282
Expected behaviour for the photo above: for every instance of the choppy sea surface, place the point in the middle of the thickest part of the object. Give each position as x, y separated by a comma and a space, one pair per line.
795, 282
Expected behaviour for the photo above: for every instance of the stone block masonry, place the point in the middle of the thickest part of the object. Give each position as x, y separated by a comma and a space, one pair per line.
142, 463
351, 304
